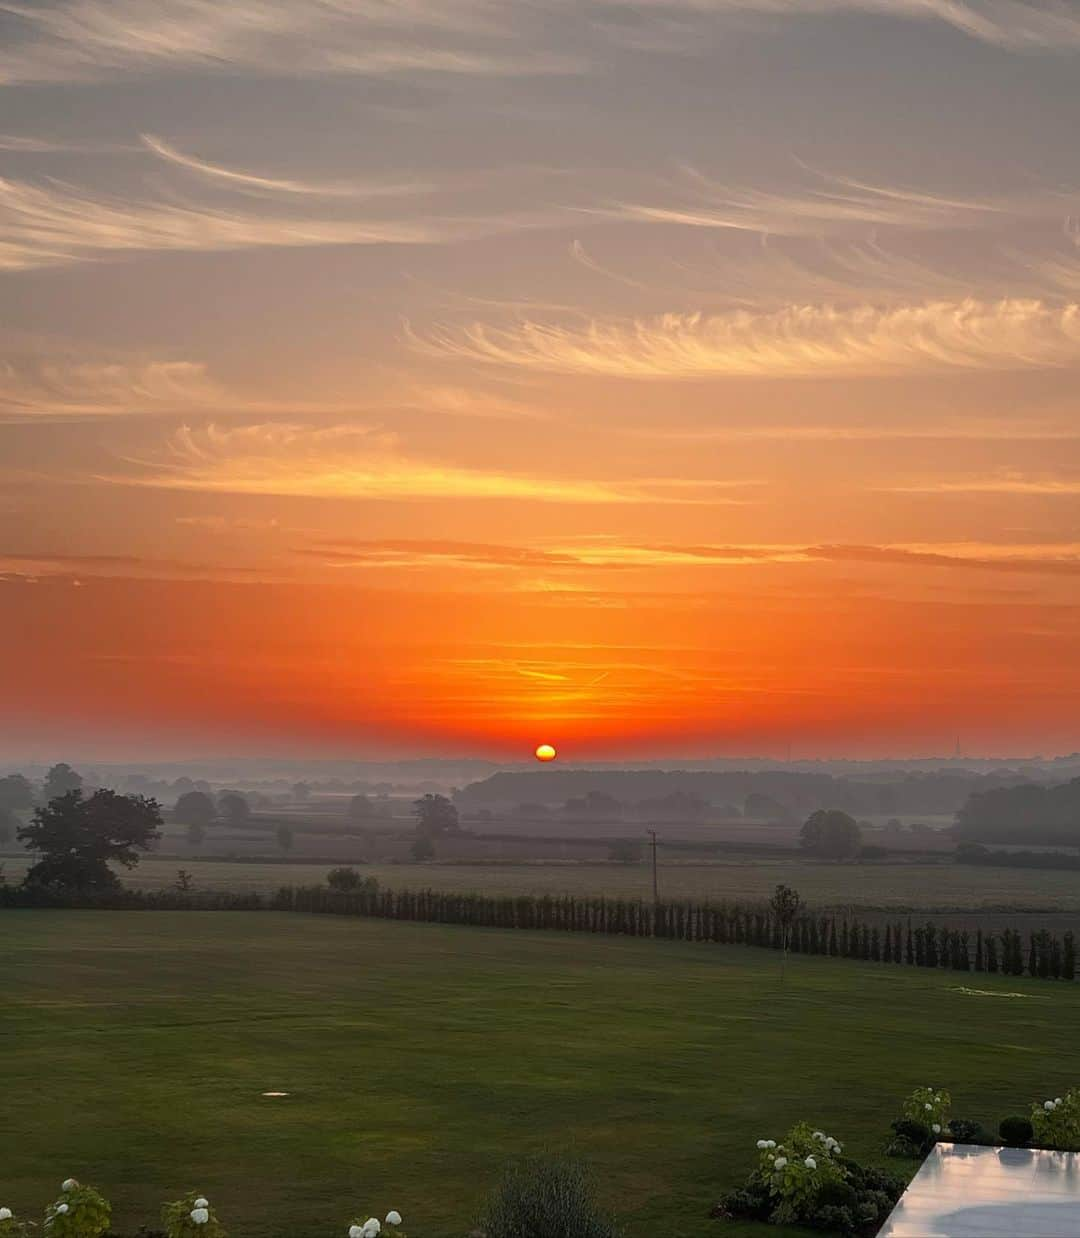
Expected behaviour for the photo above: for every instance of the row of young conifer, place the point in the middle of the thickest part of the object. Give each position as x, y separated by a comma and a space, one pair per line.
927, 945
1041, 954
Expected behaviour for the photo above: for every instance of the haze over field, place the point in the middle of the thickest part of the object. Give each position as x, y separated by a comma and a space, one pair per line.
667, 377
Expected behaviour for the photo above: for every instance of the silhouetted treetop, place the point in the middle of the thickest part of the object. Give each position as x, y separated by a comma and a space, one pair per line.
77, 838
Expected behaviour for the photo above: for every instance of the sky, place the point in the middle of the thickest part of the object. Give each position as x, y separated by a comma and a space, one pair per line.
388, 377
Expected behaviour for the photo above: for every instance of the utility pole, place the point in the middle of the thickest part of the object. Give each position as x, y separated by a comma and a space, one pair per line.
655, 879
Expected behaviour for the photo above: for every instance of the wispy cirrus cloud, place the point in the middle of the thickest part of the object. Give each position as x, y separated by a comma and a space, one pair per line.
357, 462
800, 341
827, 203
32, 565
80, 388
1019, 25
236, 179
87, 40
37, 381
1002, 483
90, 40
49, 225
582, 555
433, 552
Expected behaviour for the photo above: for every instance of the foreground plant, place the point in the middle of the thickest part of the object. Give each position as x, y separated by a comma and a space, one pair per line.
925, 1120
78, 1212
545, 1198
806, 1180
191, 1217
373, 1227
12, 1227
1056, 1123
931, 1107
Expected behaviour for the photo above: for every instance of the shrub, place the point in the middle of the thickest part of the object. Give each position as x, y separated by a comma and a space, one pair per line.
372, 1227
752, 1201
910, 1138
545, 1198
798, 1170
1017, 1132
963, 1130
930, 1107
11, 1227
191, 1217
79, 1212
807, 1181
1056, 1123
343, 878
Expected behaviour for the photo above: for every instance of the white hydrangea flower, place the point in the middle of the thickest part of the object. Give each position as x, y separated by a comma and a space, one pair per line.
68, 1184
356, 1231
762, 1144
372, 1228
936, 1128
780, 1162
928, 1106
61, 1209
819, 1135
771, 1143
5, 1214
1057, 1100
1048, 1105
201, 1203
810, 1163
200, 1215
393, 1217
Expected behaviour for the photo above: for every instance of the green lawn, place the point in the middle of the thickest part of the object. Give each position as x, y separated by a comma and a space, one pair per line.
134, 1047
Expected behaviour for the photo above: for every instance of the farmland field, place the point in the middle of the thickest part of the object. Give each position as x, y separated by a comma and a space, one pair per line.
135, 1048
942, 886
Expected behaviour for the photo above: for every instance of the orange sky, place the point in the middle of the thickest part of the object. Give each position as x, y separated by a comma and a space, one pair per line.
650, 379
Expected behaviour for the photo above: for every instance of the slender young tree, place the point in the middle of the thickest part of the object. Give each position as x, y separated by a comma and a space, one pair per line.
785, 904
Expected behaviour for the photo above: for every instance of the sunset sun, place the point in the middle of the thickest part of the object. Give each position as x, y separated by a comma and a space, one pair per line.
545, 752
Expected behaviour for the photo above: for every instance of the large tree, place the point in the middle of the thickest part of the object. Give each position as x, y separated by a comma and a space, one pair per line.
60, 780
234, 806
435, 815
195, 808
16, 792
77, 838
831, 834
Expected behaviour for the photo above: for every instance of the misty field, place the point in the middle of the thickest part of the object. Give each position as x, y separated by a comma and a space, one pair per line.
135, 1048
896, 887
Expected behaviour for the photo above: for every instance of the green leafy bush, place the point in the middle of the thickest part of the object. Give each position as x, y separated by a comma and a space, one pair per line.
1056, 1123
545, 1198
191, 1217
12, 1227
930, 1106
79, 1212
806, 1180
910, 1139
963, 1130
1017, 1132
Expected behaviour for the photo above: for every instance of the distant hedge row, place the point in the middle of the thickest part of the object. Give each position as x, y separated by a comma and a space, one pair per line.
1042, 954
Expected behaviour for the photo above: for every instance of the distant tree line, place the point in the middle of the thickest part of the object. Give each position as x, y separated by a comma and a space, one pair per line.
1029, 813
975, 853
762, 794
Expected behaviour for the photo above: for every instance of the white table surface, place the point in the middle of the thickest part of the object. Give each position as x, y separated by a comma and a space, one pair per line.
965, 1191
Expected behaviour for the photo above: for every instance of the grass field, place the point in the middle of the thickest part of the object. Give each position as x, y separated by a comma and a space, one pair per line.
897, 886
134, 1048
